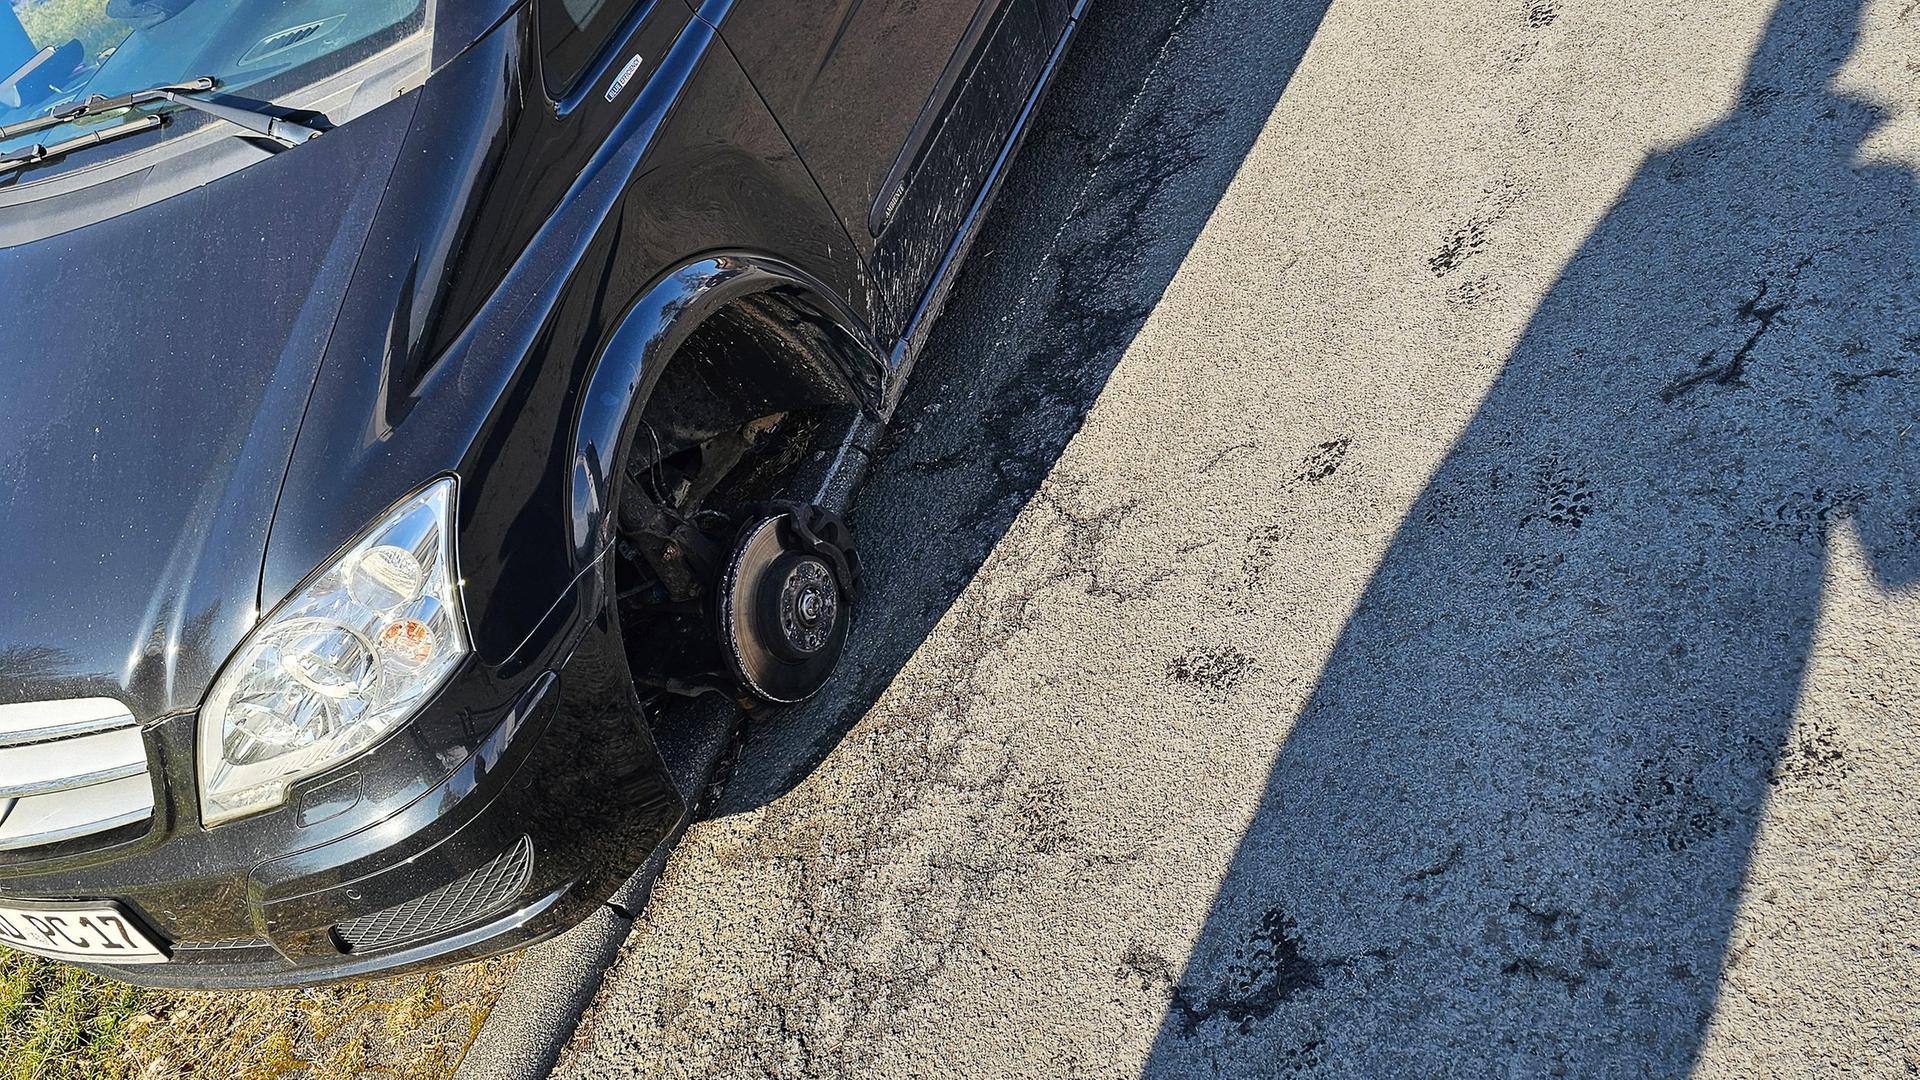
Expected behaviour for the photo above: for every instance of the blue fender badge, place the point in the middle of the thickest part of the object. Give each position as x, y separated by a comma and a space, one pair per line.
621, 80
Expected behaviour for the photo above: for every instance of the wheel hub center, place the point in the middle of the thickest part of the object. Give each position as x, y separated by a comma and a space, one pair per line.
808, 605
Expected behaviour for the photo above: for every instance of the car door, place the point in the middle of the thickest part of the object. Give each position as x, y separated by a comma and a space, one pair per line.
899, 108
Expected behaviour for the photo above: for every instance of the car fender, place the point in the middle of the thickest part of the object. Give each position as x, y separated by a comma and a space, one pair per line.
499, 273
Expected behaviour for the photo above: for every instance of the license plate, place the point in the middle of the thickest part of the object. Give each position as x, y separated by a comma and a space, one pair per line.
89, 933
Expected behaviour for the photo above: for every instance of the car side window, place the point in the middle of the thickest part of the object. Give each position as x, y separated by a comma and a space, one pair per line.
574, 32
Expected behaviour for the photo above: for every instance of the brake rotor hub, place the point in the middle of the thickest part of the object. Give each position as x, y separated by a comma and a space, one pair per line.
808, 607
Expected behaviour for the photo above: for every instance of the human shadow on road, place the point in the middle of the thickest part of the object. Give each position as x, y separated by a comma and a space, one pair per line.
1507, 834
1158, 103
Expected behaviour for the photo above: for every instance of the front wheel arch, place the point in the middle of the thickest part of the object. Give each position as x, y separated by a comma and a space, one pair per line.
809, 337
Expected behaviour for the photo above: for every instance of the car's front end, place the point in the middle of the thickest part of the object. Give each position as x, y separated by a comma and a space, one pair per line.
357, 792
407, 750
408, 855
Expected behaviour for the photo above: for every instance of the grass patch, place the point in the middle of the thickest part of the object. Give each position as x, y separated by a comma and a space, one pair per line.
59, 1023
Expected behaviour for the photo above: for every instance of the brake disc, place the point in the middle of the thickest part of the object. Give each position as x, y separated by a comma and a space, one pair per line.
783, 608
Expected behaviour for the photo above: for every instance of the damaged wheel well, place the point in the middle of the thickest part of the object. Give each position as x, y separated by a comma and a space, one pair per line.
737, 412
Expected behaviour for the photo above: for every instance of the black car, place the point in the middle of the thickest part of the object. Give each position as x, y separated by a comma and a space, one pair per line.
402, 402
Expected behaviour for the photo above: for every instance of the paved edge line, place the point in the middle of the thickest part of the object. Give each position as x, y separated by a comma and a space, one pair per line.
540, 1008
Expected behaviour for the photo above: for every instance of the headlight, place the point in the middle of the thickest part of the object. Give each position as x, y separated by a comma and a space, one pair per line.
340, 664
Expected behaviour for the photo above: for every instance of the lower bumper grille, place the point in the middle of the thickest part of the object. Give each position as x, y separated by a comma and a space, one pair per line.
467, 900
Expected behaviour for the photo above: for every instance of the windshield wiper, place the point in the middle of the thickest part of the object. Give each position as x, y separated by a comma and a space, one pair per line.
37, 153
258, 121
96, 105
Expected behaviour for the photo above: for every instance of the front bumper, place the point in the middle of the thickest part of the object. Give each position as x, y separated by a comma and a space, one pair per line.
515, 803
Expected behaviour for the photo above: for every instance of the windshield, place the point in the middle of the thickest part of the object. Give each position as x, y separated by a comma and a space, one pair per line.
56, 52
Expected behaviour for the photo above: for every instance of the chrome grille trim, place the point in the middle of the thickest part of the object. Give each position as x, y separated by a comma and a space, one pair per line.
73, 782
70, 769
73, 832
57, 732
48, 721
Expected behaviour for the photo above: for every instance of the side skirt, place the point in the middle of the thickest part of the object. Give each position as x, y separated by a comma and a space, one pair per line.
836, 484
934, 300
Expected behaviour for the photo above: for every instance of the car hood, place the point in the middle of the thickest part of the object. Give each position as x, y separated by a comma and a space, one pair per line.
154, 368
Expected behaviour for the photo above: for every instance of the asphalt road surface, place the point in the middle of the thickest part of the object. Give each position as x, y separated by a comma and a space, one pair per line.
1402, 559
